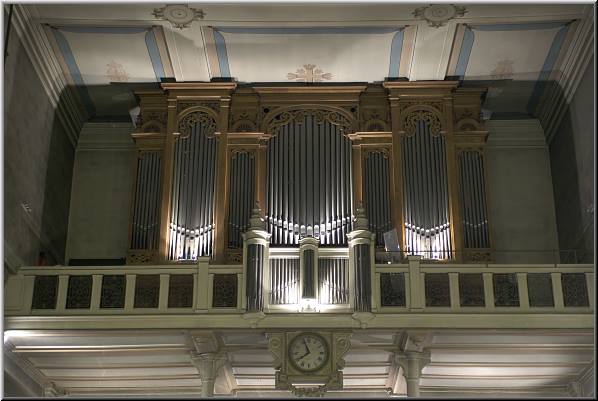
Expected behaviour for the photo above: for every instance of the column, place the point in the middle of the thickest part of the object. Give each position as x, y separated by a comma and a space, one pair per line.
308, 251
413, 363
361, 241
255, 262
208, 364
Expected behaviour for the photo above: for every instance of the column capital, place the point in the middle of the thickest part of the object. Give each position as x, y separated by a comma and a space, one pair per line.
203, 341
208, 364
413, 362
52, 390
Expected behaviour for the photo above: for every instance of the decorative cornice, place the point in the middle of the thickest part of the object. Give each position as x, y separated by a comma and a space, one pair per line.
39, 50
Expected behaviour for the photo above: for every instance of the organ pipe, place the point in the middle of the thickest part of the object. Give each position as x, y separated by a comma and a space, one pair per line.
473, 200
193, 187
309, 183
309, 262
427, 228
241, 200
377, 194
333, 281
284, 281
254, 279
363, 286
147, 199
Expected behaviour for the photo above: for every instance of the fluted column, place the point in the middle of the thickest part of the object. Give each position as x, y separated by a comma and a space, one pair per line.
255, 262
361, 242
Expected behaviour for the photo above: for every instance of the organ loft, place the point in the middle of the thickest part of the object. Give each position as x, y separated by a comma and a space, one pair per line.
385, 200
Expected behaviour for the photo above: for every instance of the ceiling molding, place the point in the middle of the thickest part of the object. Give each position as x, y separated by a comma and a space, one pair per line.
48, 69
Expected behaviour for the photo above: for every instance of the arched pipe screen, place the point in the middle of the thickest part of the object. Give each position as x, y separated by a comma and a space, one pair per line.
192, 209
473, 200
426, 206
310, 173
148, 186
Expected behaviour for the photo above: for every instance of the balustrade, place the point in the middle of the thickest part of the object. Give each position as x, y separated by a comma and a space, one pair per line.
415, 287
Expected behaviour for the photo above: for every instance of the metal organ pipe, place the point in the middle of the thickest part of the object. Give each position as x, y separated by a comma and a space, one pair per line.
191, 223
147, 197
473, 200
284, 281
377, 203
309, 168
426, 194
332, 280
242, 192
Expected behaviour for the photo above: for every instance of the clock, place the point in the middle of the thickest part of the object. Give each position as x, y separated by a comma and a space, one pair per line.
308, 352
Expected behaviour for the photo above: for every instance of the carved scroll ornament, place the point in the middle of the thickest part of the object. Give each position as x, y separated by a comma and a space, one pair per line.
274, 120
413, 118
205, 118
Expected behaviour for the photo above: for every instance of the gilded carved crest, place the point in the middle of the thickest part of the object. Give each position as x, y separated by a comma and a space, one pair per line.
206, 120
274, 120
413, 118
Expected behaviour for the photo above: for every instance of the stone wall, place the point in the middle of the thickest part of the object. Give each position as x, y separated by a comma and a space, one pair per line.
572, 160
520, 202
38, 162
102, 189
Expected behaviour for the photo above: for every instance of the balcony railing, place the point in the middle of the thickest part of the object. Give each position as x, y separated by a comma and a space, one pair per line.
412, 287
572, 256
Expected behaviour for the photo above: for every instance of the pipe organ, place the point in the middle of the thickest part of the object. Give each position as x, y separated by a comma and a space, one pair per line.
307, 161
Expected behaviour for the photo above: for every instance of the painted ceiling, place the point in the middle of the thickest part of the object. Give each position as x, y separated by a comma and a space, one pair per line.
104, 49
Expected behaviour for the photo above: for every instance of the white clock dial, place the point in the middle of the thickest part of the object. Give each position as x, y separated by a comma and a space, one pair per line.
308, 352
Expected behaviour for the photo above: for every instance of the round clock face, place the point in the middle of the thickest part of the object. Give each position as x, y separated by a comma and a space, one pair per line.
308, 352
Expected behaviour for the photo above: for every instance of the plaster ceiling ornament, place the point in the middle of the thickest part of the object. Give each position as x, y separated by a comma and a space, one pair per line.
503, 70
438, 14
115, 72
309, 73
180, 15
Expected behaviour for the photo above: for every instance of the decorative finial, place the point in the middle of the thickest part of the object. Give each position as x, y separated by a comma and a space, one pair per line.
361, 220
256, 222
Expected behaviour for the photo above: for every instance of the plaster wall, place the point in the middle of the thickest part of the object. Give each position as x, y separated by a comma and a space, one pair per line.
38, 162
572, 161
101, 196
519, 185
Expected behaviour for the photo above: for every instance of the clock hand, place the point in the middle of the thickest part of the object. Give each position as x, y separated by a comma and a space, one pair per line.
306, 346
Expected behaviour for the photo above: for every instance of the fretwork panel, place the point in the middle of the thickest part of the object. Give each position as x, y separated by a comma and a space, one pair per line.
146, 206
473, 200
309, 183
284, 281
193, 186
426, 205
241, 200
333, 280
377, 194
